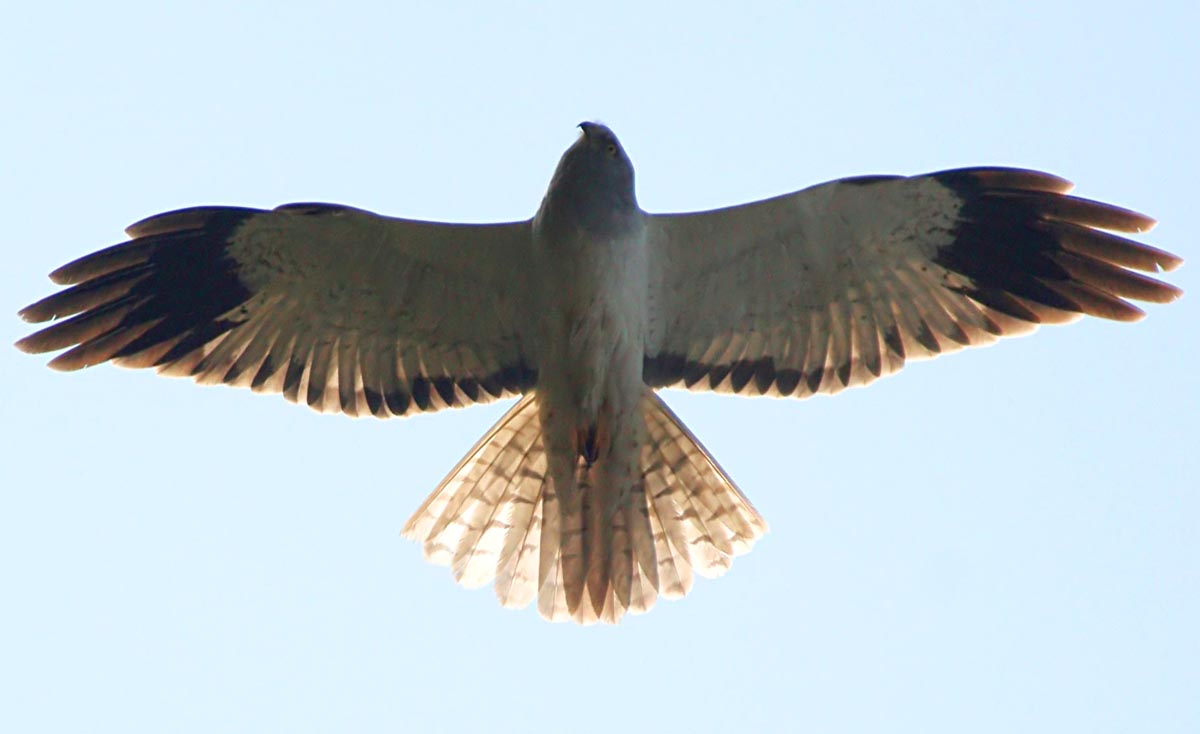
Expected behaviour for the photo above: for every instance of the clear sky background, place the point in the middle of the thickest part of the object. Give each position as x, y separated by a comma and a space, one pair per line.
1001, 540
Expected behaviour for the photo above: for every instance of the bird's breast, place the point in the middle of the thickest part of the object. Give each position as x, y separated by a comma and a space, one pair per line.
592, 321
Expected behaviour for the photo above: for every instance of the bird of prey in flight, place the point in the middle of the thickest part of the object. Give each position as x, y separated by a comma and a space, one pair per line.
589, 494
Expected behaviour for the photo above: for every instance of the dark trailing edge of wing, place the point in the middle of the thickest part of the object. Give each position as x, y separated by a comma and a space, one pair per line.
760, 375
165, 298
1030, 252
432, 393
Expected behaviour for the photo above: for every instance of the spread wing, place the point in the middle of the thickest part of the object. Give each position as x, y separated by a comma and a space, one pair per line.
336, 307
839, 284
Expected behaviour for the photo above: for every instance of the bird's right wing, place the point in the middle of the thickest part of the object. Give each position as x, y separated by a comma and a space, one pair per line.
332, 306
841, 283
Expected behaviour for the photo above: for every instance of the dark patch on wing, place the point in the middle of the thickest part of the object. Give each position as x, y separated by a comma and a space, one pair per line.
813, 379
741, 372
419, 388
425, 393
129, 298
717, 374
295, 373
470, 388
786, 381
374, 401
891, 338
664, 369
492, 385
1025, 248
843, 372
749, 376
925, 337
266, 370
764, 374
518, 377
398, 401
445, 388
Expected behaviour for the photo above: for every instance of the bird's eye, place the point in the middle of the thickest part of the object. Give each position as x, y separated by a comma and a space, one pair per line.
612, 149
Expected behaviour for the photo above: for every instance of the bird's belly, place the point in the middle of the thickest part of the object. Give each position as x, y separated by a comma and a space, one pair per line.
595, 358
589, 390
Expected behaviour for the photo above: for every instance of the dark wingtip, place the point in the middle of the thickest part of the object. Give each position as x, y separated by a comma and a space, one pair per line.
184, 220
101, 262
1021, 237
175, 278
1022, 179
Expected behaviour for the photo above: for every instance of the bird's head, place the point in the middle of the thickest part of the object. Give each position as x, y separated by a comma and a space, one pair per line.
597, 168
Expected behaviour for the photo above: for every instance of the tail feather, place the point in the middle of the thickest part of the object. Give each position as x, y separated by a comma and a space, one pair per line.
719, 521
607, 498
517, 573
438, 522
562, 576
608, 542
671, 553
641, 540
620, 560
642, 592
614, 558
561, 534
482, 543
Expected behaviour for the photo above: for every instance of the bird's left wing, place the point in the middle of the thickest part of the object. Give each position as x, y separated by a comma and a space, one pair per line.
839, 284
332, 306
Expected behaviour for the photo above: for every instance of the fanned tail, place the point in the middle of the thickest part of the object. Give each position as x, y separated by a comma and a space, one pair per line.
609, 542
484, 519
700, 520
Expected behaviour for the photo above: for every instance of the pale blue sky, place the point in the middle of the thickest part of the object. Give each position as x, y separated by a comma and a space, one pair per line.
1002, 540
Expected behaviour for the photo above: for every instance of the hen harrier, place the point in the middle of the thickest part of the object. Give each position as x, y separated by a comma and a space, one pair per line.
589, 493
